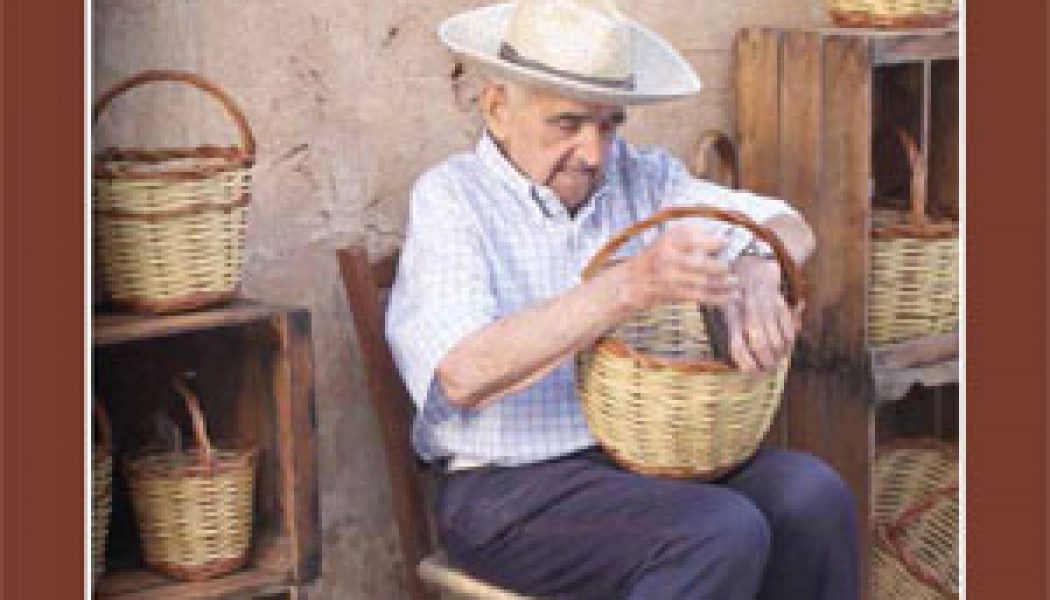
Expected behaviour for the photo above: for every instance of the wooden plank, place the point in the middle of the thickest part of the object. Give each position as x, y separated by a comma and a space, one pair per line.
944, 140
393, 406
268, 573
800, 167
385, 270
841, 267
833, 333
756, 84
116, 328
908, 47
297, 441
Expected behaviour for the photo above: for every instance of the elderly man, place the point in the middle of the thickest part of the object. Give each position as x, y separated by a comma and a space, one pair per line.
488, 311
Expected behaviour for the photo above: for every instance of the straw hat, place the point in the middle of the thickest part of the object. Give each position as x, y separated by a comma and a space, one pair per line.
586, 49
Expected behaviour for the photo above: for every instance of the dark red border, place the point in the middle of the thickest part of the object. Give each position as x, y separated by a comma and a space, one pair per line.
41, 261
1007, 300
41, 254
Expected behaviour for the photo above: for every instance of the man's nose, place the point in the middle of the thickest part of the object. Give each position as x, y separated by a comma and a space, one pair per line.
592, 145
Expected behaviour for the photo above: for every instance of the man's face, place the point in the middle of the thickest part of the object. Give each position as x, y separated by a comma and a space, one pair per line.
558, 142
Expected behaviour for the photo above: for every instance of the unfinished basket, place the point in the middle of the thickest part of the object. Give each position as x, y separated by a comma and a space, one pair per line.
913, 286
169, 224
915, 521
101, 492
194, 508
656, 394
892, 14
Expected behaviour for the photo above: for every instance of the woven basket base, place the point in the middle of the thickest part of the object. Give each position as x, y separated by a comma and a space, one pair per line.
172, 305
671, 472
201, 572
844, 18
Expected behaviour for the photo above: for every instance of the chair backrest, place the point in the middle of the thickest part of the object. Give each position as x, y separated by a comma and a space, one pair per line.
364, 282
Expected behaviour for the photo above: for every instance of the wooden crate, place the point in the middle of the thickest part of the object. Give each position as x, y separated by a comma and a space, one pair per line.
810, 105
253, 366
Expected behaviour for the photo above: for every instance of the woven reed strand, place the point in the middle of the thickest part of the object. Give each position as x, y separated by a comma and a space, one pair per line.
913, 287
664, 419
902, 479
101, 503
192, 519
894, 8
159, 241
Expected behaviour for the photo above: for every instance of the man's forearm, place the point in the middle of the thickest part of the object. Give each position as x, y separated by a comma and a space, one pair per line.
515, 351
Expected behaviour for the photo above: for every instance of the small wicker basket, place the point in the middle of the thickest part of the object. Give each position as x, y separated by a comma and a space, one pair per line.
655, 394
915, 522
194, 509
101, 492
913, 287
169, 224
892, 14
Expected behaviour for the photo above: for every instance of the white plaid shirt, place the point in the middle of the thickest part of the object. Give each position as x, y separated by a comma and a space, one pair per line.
484, 242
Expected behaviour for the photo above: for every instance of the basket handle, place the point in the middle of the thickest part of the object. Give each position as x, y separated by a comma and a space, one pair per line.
200, 430
917, 201
788, 266
723, 146
105, 431
234, 111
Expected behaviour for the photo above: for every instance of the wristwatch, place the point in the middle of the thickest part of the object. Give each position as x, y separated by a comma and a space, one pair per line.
759, 249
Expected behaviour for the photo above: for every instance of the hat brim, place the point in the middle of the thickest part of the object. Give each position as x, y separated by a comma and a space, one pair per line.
660, 72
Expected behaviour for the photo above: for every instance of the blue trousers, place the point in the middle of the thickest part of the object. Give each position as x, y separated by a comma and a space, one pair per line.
781, 527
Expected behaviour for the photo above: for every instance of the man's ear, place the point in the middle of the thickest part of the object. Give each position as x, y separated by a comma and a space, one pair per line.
494, 106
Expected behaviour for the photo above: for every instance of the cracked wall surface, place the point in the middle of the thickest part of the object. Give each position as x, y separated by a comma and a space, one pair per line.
349, 102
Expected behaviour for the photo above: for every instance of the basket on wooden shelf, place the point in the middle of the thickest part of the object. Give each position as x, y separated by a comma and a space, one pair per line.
892, 14
657, 392
169, 223
915, 522
194, 508
913, 286
101, 491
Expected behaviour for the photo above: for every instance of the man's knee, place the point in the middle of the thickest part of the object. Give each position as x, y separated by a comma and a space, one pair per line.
814, 498
736, 536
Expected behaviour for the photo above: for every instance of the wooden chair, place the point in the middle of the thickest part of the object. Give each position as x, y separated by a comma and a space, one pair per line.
365, 282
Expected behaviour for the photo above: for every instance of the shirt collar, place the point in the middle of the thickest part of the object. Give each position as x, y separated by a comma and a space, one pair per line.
541, 196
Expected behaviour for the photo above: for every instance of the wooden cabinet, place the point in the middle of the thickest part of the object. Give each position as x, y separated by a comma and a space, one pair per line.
813, 108
253, 368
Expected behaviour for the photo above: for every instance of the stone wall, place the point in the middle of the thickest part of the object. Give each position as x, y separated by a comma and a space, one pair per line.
349, 102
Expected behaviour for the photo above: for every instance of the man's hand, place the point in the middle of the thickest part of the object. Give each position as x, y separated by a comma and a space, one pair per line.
682, 265
762, 328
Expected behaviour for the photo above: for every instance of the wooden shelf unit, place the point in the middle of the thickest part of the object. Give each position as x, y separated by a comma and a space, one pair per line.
253, 366
811, 107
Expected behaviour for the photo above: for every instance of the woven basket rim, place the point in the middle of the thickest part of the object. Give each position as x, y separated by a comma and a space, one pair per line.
910, 20
945, 229
115, 166
918, 443
615, 347
225, 461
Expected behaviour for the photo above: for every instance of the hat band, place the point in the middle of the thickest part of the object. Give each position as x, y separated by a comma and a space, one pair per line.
509, 54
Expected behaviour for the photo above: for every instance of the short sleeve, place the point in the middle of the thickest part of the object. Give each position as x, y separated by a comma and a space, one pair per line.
681, 188
443, 289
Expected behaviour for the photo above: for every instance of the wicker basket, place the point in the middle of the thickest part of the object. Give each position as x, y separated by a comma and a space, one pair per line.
913, 287
893, 14
101, 492
915, 521
654, 394
194, 509
169, 224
